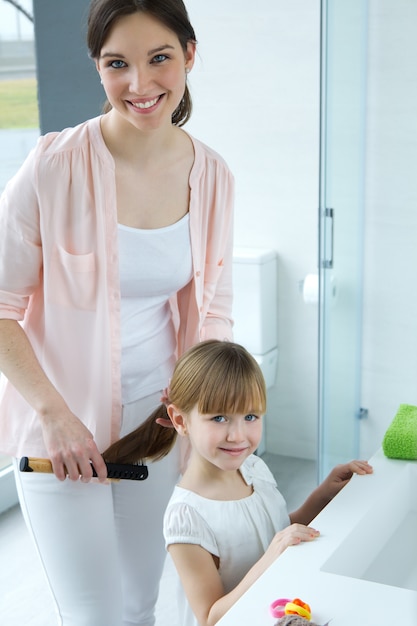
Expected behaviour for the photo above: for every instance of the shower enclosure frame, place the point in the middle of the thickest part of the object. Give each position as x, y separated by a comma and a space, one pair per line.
344, 34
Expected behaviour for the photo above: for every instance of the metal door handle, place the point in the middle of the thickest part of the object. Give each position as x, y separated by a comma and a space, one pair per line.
329, 234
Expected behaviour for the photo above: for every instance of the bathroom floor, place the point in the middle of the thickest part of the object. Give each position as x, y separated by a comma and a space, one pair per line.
24, 596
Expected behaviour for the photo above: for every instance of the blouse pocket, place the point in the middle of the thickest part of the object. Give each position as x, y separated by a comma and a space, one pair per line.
72, 280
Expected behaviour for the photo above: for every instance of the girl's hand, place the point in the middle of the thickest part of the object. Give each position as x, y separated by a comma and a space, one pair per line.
291, 536
341, 475
328, 489
71, 447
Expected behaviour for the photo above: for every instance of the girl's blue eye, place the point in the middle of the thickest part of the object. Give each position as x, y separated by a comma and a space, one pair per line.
218, 418
251, 417
117, 64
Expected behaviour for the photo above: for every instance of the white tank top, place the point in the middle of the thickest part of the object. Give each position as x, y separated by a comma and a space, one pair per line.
153, 264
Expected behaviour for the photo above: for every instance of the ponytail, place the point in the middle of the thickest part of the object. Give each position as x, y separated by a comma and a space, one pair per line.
148, 441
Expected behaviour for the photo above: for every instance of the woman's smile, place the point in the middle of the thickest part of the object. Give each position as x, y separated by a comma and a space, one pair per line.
146, 105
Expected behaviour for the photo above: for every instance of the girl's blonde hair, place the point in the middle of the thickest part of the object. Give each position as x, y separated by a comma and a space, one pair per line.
214, 376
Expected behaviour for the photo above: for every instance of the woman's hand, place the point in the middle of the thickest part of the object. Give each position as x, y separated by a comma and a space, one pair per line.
341, 475
71, 447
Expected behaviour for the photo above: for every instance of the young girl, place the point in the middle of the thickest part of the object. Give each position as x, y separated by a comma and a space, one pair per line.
226, 521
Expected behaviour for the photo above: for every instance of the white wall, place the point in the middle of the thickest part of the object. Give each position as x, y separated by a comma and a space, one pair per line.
255, 88
390, 305
256, 94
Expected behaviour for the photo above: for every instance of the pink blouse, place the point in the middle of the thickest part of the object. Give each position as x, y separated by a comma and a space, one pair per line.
59, 276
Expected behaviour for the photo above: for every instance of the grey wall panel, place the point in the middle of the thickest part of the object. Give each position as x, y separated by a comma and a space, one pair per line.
68, 83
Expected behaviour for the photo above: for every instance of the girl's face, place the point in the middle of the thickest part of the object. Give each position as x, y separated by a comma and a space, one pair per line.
225, 441
143, 70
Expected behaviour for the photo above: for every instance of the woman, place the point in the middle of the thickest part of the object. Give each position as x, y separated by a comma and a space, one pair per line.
116, 247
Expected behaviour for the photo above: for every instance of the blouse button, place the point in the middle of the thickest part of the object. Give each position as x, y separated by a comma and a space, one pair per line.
198, 273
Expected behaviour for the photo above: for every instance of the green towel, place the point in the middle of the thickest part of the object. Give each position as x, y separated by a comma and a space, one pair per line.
400, 440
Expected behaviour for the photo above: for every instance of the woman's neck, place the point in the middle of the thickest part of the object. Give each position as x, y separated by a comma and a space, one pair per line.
132, 145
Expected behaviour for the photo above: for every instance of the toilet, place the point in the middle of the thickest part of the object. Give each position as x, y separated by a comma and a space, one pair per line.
255, 309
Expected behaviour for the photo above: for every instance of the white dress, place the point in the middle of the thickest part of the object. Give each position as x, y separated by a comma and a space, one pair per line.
236, 531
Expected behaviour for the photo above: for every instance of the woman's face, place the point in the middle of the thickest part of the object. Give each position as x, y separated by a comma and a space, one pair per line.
143, 70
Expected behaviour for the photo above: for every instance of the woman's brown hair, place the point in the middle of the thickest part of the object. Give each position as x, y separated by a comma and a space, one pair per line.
103, 14
214, 376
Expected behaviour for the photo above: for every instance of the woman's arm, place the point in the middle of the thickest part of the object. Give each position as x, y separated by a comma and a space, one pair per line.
70, 444
201, 580
328, 489
218, 291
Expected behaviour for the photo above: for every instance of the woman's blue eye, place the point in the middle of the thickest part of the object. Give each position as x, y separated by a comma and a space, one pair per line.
251, 417
117, 64
159, 58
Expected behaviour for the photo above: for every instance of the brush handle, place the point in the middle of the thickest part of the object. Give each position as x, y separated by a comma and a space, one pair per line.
115, 471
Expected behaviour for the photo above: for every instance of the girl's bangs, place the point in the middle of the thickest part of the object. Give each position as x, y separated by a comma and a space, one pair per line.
232, 392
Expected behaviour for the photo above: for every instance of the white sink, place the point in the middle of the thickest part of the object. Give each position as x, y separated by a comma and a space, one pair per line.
382, 545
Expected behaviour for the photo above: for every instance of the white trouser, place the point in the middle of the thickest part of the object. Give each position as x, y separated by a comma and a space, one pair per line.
102, 546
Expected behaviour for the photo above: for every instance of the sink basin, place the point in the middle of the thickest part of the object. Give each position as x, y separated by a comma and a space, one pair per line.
382, 546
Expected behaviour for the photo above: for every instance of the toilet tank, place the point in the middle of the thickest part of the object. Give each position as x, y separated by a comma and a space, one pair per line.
255, 299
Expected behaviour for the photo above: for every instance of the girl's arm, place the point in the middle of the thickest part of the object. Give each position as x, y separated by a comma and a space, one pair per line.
201, 580
69, 443
328, 489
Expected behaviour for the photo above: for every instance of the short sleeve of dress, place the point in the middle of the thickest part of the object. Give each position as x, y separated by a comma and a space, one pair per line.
183, 524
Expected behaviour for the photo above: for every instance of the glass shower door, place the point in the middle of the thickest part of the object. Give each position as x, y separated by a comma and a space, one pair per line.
342, 157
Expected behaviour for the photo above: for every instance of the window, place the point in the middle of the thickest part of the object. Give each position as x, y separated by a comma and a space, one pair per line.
19, 130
